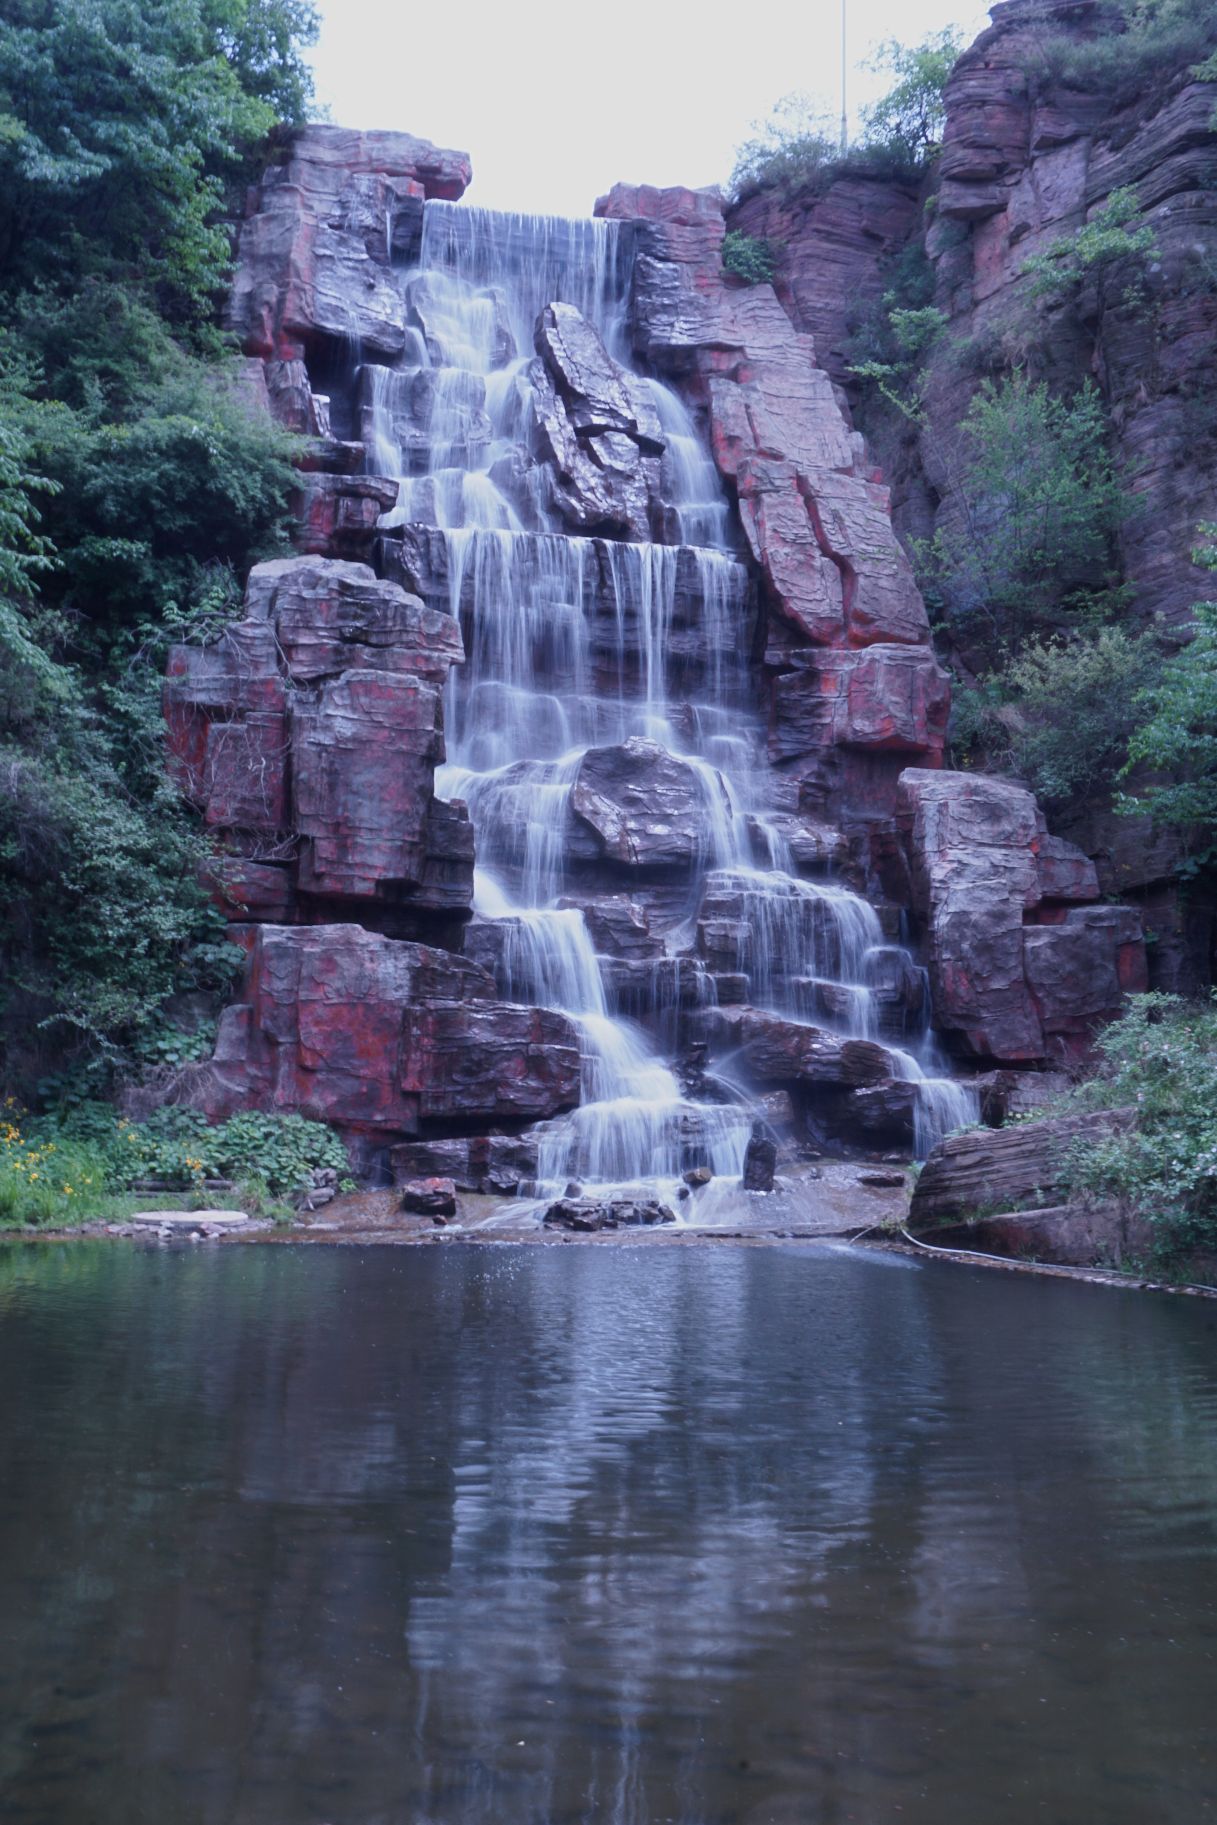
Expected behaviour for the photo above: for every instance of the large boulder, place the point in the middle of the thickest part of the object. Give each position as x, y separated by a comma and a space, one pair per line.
972, 846
594, 430
1004, 1169
647, 808
1017, 973
364, 753
331, 617
772, 1050
891, 698
381, 1037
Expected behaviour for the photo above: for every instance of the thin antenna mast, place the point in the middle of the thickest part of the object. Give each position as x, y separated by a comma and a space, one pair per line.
844, 71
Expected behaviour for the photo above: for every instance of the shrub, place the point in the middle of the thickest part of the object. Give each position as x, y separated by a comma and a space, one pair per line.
1075, 710
794, 147
179, 1146
1137, 44
46, 1179
1031, 545
1160, 1057
749, 258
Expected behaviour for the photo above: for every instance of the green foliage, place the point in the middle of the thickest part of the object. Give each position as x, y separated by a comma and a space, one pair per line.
910, 117
75, 1165
1137, 45
1031, 548
1178, 733
135, 485
47, 1179
910, 335
177, 1146
1114, 235
749, 258
1075, 703
794, 147
1159, 1058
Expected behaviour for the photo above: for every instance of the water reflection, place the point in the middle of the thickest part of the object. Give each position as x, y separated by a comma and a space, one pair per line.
621, 1535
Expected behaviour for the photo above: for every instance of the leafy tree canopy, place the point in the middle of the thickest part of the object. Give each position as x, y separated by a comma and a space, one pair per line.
119, 123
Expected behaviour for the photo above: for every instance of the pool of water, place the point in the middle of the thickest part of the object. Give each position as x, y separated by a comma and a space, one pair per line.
713, 1535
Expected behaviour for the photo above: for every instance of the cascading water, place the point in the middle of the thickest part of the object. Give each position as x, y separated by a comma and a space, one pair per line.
579, 642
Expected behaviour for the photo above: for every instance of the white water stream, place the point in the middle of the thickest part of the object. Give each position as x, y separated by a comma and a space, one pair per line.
570, 644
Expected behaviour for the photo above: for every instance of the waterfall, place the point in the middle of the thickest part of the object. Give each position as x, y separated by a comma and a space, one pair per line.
578, 641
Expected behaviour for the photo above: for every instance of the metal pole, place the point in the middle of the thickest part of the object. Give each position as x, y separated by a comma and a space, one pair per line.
844, 71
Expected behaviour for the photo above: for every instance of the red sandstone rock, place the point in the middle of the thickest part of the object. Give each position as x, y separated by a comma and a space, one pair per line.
339, 514
892, 698
314, 254
772, 1050
330, 617
1006, 989
363, 746
379, 1036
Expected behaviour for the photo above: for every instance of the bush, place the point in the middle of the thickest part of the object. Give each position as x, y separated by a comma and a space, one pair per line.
179, 1146
46, 1179
749, 258
1177, 731
1075, 706
1032, 546
1160, 1057
797, 147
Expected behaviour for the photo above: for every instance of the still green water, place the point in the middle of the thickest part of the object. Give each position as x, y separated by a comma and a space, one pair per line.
719, 1536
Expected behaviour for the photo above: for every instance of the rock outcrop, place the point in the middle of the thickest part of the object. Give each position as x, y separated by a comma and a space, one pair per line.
308, 735
701, 694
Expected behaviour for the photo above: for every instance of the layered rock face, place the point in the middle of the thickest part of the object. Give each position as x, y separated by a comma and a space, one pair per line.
635, 630
1027, 160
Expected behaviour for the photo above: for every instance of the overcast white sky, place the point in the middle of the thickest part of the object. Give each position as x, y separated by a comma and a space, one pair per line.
557, 100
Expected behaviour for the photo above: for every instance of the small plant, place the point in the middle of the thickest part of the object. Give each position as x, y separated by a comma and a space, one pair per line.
749, 258
1114, 234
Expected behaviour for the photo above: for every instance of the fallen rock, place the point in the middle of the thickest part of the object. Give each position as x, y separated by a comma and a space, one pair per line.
760, 1161
429, 1197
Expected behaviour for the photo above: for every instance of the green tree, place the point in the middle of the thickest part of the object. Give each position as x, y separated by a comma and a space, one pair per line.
135, 483
911, 116
1114, 236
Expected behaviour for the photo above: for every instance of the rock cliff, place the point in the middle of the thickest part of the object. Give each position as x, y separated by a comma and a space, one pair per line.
1027, 160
